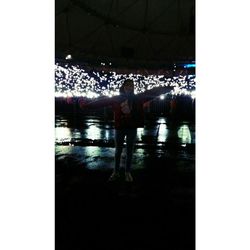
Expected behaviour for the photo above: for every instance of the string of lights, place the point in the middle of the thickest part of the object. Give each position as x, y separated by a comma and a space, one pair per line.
77, 81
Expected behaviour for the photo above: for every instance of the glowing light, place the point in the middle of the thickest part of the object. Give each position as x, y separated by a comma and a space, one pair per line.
140, 132
162, 130
93, 132
184, 134
68, 57
76, 81
161, 120
192, 65
162, 133
162, 97
63, 134
91, 95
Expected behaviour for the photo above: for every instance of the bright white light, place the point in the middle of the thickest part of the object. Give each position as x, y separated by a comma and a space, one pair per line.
91, 95
161, 120
75, 81
63, 134
140, 132
184, 134
163, 131
93, 132
68, 57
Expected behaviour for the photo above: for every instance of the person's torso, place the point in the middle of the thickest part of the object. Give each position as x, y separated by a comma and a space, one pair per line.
128, 112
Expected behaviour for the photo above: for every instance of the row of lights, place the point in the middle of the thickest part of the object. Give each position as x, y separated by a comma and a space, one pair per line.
192, 65
69, 57
76, 81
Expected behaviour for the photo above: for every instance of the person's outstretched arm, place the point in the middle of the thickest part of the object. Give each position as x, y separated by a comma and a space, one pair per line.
148, 95
97, 103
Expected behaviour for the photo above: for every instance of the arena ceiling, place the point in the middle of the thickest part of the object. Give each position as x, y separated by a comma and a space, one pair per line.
126, 32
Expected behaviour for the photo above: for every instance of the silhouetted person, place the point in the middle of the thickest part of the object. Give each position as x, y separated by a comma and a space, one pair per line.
173, 105
128, 116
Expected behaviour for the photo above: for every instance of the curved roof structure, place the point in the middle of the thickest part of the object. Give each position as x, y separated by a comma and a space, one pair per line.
126, 32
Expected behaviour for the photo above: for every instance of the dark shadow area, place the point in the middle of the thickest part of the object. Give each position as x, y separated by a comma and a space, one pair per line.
156, 211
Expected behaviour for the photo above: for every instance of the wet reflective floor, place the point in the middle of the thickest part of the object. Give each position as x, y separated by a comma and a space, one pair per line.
93, 138
156, 211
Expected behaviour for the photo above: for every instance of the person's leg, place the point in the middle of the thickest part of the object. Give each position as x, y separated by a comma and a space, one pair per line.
130, 141
119, 139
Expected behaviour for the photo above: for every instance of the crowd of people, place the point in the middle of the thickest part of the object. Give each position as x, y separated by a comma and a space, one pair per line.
127, 95
76, 81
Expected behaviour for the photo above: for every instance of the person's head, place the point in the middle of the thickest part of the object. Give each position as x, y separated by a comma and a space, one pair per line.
127, 87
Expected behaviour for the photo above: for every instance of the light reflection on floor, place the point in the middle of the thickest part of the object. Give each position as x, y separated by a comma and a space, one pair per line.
63, 134
140, 132
100, 158
184, 134
103, 157
161, 131
93, 132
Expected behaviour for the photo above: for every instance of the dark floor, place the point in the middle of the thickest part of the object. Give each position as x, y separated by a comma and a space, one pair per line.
156, 211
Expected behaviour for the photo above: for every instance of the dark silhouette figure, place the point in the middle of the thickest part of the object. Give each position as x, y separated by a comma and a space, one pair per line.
128, 116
